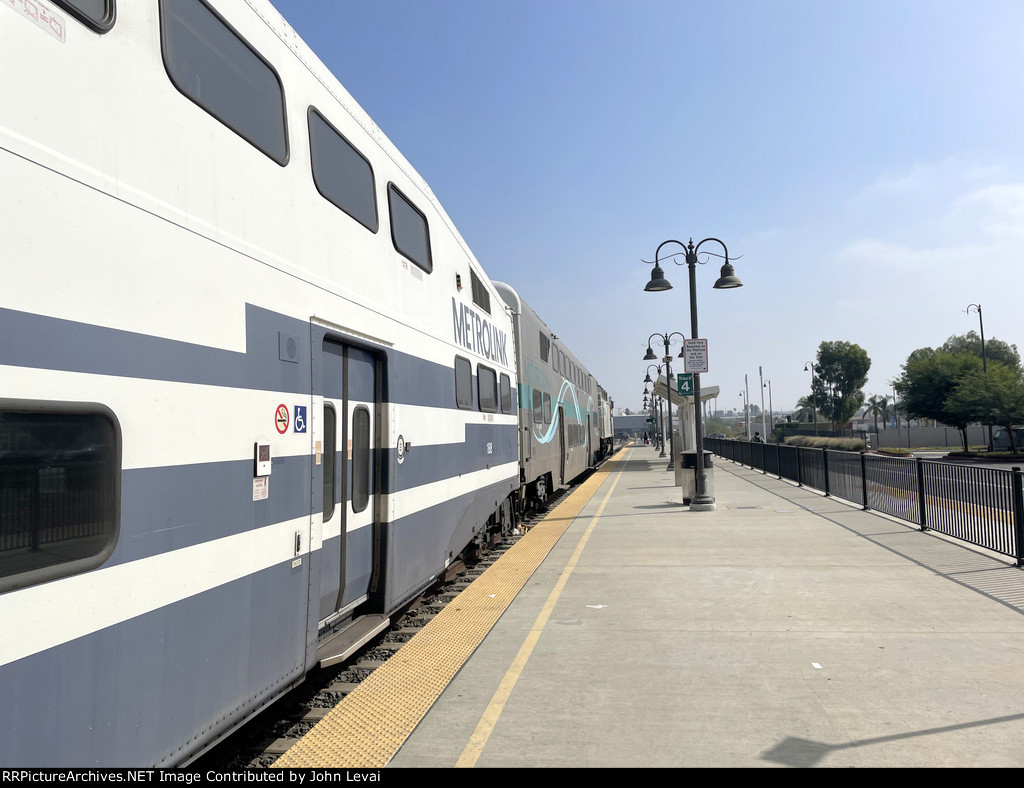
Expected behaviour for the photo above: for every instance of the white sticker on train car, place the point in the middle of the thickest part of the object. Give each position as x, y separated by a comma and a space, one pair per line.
40, 13
260, 488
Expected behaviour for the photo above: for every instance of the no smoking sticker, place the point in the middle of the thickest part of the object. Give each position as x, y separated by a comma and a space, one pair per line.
281, 419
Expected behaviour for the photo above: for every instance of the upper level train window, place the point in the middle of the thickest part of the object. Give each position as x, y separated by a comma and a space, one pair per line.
487, 388
505, 390
463, 382
60, 471
97, 14
341, 173
545, 346
480, 295
208, 62
409, 231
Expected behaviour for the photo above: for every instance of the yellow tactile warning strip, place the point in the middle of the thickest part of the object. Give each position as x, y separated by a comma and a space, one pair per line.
366, 729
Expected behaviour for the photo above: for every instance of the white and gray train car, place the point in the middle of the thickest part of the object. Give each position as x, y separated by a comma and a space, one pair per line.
605, 409
245, 399
560, 425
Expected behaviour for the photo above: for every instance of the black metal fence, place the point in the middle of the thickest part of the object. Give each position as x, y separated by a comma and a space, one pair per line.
979, 505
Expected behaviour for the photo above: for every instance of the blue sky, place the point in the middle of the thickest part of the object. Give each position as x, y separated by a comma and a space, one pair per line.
863, 160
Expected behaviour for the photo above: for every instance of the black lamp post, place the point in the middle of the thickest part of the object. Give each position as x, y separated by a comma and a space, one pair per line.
814, 396
652, 416
984, 360
667, 339
661, 417
726, 280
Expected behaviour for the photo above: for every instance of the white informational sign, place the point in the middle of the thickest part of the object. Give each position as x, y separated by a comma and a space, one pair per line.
695, 355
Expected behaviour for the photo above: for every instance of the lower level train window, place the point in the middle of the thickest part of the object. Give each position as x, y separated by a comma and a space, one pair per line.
487, 388
59, 487
538, 407
463, 383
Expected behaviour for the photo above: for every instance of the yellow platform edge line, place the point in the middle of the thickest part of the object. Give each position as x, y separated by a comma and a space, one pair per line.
369, 725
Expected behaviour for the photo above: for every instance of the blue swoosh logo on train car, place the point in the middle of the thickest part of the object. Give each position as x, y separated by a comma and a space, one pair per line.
567, 387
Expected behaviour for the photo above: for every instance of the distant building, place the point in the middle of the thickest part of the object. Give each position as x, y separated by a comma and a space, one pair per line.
631, 426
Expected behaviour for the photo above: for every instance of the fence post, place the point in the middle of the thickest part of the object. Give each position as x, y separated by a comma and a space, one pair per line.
920, 491
864, 479
1018, 513
799, 468
824, 465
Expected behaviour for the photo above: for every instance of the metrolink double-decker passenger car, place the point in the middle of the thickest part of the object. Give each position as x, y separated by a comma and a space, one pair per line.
560, 426
255, 390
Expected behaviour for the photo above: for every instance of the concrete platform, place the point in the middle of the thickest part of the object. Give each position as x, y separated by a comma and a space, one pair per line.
782, 629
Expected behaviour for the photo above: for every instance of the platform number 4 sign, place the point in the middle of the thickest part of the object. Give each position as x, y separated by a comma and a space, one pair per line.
684, 384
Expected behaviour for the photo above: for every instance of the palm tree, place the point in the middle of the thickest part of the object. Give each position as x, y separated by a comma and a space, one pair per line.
878, 406
804, 409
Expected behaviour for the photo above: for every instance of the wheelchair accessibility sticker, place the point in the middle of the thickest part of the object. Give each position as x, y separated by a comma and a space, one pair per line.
300, 418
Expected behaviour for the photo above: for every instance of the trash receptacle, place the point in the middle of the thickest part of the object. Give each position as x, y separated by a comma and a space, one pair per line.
686, 477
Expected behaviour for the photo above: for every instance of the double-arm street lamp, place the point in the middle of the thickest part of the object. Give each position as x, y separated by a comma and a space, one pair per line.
727, 280
652, 416
667, 339
660, 431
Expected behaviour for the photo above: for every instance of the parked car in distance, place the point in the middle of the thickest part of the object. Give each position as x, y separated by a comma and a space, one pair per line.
1001, 439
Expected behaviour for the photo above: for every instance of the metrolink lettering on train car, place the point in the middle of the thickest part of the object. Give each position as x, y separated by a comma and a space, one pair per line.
478, 334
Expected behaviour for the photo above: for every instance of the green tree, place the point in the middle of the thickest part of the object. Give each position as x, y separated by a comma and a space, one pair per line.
929, 378
992, 397
842, 370
995, 349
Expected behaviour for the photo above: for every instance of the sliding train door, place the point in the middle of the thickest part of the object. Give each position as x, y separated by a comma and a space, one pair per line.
349, 385
561, 445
